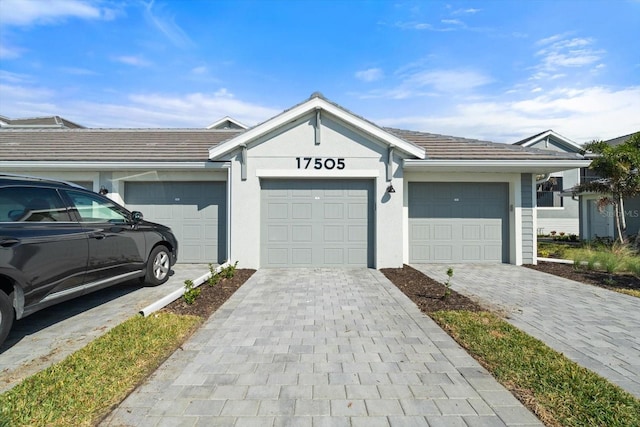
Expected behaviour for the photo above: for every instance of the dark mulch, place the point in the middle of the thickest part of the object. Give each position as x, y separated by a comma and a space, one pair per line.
211, 297
597, 278
427, 293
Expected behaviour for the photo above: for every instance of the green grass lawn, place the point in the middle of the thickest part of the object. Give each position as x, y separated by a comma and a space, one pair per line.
557, 390
81, 389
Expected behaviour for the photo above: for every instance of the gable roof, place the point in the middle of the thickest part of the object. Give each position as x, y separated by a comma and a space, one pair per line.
39, 122
227, 123
620, 140
442, 147
566, 142
142, 145
314, 103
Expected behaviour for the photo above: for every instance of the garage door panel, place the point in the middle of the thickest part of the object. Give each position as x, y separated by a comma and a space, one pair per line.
471, 253
301, 210
333, 211
301, 233
358, 234
333, 233
333, 256
442, 253
278, 233
195, 210
466, 222
471, 232
442, 232
322, 214
278, 211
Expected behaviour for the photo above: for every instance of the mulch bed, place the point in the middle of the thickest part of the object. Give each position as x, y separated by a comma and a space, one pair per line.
211, 297
596, 278
427, 293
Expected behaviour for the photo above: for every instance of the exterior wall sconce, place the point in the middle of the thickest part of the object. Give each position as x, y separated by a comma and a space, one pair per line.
390, 189
103, 190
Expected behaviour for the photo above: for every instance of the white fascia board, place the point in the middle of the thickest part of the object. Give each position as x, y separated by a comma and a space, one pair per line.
309, 106
526, 166
70, 165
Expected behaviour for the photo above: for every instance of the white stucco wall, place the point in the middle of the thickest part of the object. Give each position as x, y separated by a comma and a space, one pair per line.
274, 156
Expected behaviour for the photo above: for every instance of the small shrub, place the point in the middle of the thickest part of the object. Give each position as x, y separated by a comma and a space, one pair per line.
214, 279
229, 271
447, 284
190, 293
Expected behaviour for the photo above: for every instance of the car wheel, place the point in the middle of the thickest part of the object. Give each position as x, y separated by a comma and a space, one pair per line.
6, 316
158, 266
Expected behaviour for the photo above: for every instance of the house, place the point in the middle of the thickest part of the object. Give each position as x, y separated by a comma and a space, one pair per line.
600, 222
55, 122
555, 212
316, 185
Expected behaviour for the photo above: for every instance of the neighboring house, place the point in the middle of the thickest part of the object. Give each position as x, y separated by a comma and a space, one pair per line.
596, 222
555, 212
227, 123
53, 122
313, 186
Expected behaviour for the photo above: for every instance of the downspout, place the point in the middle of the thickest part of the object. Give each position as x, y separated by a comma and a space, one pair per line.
228, 254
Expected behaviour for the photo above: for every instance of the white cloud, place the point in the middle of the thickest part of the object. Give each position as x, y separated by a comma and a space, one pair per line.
558, 52
448, 81
369, 75
22, 13
166, 24
199, 70
136, 61
9, 52
141, 110
580, 114
465, 11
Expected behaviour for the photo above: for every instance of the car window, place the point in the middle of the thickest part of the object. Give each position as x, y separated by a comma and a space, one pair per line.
32, 204
93, 208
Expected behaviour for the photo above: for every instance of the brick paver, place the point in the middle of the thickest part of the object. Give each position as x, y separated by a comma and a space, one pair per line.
316, 347
592, 326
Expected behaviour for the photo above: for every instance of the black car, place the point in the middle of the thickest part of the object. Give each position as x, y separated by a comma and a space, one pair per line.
59, 241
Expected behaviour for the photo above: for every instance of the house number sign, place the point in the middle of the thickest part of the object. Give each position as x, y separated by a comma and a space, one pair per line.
320, 163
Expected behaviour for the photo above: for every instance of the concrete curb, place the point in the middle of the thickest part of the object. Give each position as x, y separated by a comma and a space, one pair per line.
163, 302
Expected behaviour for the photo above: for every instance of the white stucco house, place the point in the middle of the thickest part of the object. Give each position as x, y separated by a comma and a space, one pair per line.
316, 185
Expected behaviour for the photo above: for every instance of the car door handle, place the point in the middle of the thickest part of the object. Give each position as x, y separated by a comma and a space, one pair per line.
7, 243
97, 235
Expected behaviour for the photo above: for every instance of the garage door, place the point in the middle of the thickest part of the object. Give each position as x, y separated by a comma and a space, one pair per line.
195, 211
458, 222
317, 223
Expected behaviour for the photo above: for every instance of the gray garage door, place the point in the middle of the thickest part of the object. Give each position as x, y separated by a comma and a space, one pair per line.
195, 211
317, 223
458, 222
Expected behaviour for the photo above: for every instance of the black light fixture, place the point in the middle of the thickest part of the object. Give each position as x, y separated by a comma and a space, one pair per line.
103, 190
390, 188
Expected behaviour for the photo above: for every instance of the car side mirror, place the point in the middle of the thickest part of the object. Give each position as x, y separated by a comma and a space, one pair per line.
136, 216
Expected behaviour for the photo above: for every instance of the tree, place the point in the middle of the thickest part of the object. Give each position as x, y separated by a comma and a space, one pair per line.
618, 169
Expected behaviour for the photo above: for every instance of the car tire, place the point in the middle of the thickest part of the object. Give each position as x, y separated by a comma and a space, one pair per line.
6, 316
158, 266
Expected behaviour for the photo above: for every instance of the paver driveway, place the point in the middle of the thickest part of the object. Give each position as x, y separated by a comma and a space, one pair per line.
595, 327
320, 347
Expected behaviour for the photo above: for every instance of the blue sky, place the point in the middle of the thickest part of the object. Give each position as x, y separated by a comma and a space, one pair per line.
496, 70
